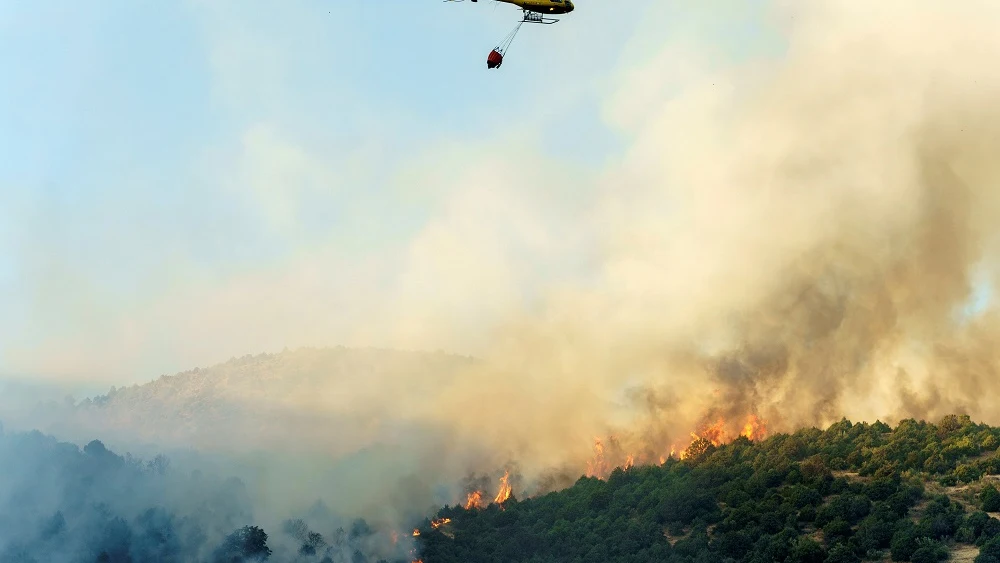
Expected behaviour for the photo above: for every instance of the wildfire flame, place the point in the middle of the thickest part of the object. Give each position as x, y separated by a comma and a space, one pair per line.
755, 429
474, 500
504, 492
597, 466
440, 522
715, 434
416, 532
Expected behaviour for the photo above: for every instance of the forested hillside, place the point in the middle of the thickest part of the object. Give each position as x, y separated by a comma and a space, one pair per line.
920, 492
855, 492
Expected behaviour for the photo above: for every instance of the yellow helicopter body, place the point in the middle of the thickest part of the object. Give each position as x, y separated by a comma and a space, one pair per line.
543, 6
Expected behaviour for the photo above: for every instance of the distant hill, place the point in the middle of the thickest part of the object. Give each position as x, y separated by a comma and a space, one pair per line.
261, 402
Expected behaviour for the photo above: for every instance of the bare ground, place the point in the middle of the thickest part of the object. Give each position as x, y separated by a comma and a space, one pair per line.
964, 554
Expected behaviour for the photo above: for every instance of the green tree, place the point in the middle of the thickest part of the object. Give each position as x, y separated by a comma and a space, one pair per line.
807, 550
990, 499
248, 543
989, 552
840, 553
904, 541
929, 551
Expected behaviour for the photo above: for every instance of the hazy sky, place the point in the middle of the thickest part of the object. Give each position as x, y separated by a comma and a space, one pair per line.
185, 181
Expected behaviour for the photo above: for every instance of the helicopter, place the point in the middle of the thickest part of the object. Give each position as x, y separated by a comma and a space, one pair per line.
534, 11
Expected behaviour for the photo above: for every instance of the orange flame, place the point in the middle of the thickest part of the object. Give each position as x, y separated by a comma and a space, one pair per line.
474, 500
714, 434
597, 467
440, 522
755, 429
504, 492
416, 532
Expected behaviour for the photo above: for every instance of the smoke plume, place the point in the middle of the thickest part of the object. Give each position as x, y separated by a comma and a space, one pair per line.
797, 239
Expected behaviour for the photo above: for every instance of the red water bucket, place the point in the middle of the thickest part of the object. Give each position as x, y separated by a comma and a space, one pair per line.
494, 60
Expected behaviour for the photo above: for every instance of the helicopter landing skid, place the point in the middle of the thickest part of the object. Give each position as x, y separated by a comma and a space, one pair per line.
535, 17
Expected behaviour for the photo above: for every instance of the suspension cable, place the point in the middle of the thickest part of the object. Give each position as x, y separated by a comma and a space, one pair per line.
506, 41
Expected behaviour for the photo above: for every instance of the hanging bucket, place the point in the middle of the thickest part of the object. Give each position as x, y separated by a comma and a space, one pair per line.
494, 60
496, 55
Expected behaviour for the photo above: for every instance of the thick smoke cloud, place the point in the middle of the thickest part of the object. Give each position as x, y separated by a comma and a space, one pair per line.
795, 239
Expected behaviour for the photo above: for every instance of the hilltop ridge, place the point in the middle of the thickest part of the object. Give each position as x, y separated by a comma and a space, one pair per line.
257, 400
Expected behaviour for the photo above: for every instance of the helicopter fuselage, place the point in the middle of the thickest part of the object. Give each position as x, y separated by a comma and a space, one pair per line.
543, 6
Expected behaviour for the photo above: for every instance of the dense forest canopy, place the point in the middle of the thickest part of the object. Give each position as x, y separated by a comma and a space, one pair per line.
854, 492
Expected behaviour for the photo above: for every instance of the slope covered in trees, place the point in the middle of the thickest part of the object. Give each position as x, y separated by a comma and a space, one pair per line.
855, 492
919, 492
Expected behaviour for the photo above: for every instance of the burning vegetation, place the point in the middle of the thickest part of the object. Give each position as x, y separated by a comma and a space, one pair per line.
474, 500
504, 493
609, 456
850, 492
437, 523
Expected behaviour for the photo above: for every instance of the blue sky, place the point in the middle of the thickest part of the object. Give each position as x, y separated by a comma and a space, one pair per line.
167, 166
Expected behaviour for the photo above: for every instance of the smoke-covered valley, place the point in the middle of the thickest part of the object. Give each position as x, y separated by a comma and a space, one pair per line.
785, 242
288, 425
62, 503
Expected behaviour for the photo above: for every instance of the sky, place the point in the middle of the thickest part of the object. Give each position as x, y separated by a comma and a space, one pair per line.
186, 181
